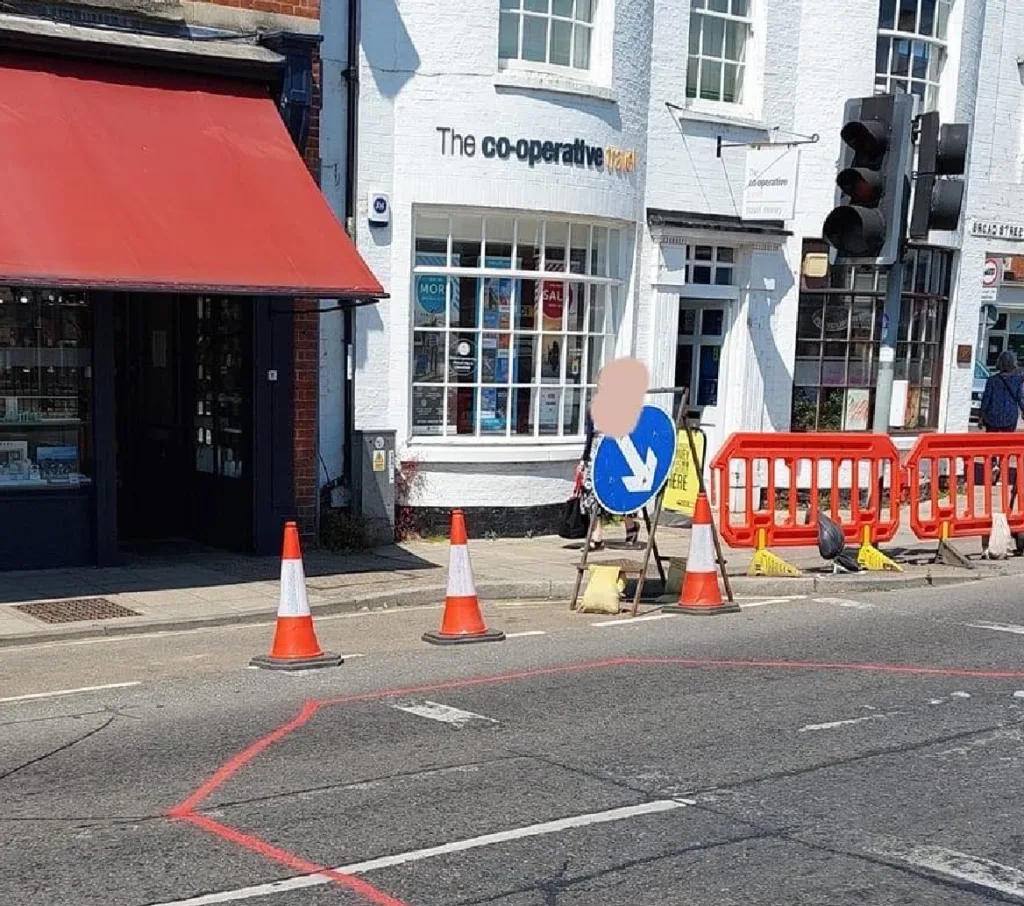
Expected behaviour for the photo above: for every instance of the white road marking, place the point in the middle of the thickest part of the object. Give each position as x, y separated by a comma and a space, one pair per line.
533, 830
628, 621
59, 692
443, 713
786, 600
960, 694
520, 635
998, 627
845, 602
973, 869
831, 725
417, 855
249, 893
980, 742
936, 701
1019, 693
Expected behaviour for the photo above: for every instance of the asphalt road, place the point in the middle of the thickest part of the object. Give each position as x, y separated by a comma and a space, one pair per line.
811, 751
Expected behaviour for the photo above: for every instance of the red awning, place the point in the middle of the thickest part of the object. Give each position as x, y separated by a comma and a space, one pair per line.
130, 178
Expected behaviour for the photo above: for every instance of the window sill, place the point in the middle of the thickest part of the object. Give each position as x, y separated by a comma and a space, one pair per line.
724, 114
497, 451
536, 80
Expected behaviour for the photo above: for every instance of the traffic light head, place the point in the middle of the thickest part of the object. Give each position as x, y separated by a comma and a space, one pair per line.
869, 219
942, 151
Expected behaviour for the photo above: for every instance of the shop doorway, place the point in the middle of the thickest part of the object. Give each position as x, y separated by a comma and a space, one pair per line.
703, 326
183, 409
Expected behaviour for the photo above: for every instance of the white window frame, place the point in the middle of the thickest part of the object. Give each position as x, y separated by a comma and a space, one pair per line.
748, 102
609, 284
724, 258
936, 47
577, 23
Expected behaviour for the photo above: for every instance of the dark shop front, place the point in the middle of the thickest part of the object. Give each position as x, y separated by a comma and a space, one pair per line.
160, 241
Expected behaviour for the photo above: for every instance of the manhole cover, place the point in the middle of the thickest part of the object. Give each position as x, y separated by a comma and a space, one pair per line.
76, 611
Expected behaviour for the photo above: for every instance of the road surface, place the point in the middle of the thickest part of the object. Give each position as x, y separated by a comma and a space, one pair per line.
811, 751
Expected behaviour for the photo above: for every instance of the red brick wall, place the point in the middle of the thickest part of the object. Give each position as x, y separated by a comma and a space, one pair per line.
306, 417
309, 9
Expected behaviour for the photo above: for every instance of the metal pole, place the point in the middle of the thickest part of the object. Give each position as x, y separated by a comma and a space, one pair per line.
887, 348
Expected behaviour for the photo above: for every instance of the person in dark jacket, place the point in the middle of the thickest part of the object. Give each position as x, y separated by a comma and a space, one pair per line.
1002, 405
589, 503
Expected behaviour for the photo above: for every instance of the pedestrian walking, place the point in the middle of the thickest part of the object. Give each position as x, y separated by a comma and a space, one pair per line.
589, 503
1002, 406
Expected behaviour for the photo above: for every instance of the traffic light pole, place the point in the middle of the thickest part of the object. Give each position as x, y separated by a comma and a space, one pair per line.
887, 347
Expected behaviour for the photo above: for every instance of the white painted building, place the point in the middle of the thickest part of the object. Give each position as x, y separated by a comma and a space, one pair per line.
566, 181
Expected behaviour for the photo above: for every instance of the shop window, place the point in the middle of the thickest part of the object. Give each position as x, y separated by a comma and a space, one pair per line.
512, 320
719, 35
911, 48
708, 265
555, 33
838, 340
220, 420
45, 389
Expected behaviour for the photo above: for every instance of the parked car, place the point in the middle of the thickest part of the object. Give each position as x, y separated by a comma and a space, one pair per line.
981, 376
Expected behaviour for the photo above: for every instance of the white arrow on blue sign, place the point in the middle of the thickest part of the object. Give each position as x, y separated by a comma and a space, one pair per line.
631, 470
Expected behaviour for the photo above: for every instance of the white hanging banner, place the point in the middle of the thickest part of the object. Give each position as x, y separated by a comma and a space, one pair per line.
769, 191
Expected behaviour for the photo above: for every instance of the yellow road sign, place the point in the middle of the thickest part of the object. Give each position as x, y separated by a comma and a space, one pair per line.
683, 484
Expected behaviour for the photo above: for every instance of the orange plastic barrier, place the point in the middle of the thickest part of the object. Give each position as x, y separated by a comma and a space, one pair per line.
792, 472
951, 478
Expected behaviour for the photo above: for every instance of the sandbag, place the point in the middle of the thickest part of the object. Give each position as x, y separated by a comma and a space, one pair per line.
1000, 540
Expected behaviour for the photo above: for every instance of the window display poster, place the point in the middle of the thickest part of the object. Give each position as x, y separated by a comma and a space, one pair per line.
549, 398
857, 409
551, 359
495, 358
58, 463
428, 409
430, 290
497, 313
14, 461
492, 410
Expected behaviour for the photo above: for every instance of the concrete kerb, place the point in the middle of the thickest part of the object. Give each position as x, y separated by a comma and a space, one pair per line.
433, 596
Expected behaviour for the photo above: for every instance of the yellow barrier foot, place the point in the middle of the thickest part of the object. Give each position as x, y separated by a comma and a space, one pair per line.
604, 590
871, 558
765, 563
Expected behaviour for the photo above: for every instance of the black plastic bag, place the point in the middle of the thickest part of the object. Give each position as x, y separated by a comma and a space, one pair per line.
575, 522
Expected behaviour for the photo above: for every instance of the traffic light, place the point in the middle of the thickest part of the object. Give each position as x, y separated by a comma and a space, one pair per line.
942, 151
869, 220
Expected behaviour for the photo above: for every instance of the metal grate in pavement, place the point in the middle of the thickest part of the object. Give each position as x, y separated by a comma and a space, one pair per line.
76, 610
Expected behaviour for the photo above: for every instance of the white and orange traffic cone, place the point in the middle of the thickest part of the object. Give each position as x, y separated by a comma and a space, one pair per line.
295, 645
700, 593
463, 621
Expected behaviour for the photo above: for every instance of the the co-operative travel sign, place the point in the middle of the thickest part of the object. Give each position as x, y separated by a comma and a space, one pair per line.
629, 471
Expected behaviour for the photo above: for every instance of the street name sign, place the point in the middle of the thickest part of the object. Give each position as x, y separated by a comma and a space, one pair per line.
631, 470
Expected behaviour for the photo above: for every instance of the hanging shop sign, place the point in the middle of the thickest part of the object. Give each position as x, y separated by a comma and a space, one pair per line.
769, 192
534, 151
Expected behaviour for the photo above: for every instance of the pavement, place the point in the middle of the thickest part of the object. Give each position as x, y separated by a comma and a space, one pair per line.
809, 750
179, 586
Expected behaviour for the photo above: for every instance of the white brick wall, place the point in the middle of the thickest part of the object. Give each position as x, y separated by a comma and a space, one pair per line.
431, 63
412, 83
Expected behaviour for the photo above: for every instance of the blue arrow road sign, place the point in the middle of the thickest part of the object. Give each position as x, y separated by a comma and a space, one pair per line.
629, 471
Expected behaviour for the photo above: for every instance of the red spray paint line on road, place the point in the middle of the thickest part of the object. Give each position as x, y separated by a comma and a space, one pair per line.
186, 810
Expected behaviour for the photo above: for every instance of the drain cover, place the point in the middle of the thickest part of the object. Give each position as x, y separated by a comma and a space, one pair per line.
75, 611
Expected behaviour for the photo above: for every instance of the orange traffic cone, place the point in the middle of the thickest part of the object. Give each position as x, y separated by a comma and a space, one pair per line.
700, 593
295, 645
462, 621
